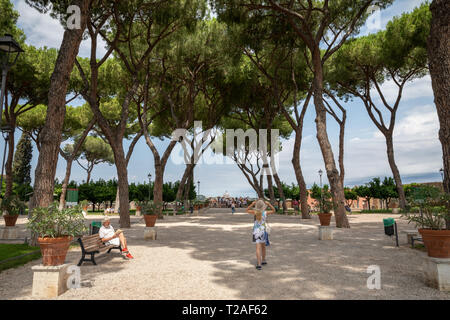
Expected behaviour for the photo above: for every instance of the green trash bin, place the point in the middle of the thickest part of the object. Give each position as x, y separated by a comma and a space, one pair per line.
389, 226
95, 226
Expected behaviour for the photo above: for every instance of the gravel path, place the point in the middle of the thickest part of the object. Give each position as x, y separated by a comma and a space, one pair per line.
212, 257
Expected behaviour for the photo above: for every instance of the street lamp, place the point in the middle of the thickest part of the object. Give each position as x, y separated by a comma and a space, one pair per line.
149, 187
11, 50
442, 173
198, 183
321, 197
6, 130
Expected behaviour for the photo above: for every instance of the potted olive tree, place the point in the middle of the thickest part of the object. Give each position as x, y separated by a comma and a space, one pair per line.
323, 197
433, 220
150, 212
138, 207
11, 207
55, 230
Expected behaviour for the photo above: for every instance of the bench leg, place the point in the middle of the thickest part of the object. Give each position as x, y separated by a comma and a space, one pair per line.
81, 260
93, 259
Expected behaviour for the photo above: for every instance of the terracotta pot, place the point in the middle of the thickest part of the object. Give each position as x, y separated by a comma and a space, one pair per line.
10, 221
150, 219
54, 250
437, 242
325, 219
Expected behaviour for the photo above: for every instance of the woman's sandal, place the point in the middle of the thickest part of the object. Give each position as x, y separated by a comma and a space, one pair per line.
264, 263
258, 267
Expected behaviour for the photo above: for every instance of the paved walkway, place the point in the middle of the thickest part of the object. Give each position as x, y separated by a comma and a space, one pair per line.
212, 257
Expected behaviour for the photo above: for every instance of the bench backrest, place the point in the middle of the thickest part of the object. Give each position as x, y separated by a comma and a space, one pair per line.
91, 242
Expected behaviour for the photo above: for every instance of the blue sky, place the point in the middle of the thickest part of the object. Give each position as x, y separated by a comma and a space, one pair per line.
418, 150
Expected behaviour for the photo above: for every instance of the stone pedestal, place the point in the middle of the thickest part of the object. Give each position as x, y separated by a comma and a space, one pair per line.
138, 213
9, 232
49, 282
195, 212
437, 273
325, 233
150, 233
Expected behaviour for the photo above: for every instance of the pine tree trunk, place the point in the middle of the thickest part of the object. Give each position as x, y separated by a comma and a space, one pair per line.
50, 137
439, 57
395, 171
280, 190
270, 187
122, 174
62, 198
337, 189
158, 187
299, 176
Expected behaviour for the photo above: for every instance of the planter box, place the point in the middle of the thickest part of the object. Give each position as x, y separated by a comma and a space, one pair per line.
150, 233
54, 250
325, 233
49, 281
150, 220
437, 273
10, 221
9, 232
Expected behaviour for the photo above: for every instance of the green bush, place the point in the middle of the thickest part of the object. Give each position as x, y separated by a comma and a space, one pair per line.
13, 205
52, 222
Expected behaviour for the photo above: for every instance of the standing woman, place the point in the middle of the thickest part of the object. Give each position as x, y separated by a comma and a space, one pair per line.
260, 235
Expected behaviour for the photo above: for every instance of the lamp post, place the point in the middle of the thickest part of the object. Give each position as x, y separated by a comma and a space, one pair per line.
6, 130
441, 170
149, 187
321, 196
9, 47
198, 183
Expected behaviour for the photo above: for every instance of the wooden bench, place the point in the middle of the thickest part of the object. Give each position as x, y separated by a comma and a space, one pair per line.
92, 244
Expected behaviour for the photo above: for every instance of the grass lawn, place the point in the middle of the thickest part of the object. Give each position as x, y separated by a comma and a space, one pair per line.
13, 250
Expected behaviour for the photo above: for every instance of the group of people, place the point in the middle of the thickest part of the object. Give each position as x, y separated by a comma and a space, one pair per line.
237, 202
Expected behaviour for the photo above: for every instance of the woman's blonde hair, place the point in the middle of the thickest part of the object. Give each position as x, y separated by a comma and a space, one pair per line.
259, 208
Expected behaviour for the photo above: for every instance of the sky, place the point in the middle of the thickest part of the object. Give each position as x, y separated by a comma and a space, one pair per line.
417, 148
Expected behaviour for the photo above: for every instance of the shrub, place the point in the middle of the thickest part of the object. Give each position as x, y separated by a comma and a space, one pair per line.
52, 222
13, 205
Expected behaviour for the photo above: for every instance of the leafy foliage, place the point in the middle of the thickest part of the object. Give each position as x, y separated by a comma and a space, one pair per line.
52, 222
12, 205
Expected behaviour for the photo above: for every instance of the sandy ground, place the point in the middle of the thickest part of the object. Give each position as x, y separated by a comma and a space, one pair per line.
212, 257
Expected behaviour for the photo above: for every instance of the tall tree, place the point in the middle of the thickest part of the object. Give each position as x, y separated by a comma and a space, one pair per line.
22, 160
439, 62
77, 125
52, 132
397, 54
323, 26
95, 151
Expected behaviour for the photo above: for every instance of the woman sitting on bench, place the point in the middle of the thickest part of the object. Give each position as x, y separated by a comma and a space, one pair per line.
110, 237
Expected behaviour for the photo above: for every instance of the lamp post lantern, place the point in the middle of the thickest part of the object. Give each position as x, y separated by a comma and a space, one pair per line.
149, 187
11, 51
441, 170
198, 183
